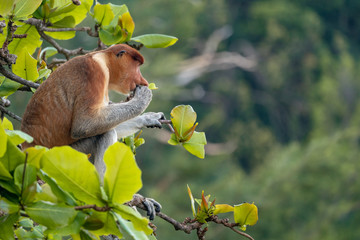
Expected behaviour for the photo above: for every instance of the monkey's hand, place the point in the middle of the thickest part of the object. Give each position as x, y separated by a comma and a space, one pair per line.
142, 96
129, 127
148, 204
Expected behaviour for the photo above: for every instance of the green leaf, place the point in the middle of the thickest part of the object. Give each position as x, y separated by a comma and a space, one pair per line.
66, 22
12, 157
173, 140
45, 194
8, 207
183, 118
3, 139
128, 229
26, 66
110, 38
26, 7
155, 40
245, 214
6, 6
51, 215
192, 201
102, 223
103, 14
48, 51
223, 208
139, 222
34, 233
122, 178
31, 42
58, 191
74, 173
6, 226
196, 144
152, 86
22, 179
35, 155
9, 186
72, 228
7, 125
8, 87
62, 35
17, 137
4, 173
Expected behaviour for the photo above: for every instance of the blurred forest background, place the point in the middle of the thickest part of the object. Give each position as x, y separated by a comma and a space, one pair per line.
276, 87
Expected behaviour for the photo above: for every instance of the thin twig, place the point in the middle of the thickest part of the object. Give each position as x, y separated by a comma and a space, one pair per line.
168, 122
14, 116
16, 78
93, 206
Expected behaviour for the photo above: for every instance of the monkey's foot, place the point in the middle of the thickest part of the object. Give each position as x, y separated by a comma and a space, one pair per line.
148, 204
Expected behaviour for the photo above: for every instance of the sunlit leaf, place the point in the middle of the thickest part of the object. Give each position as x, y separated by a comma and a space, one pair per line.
4, 173
196, 144
31, 42
223, 208
128, 229
103, 14
122, 178
110, 38
8, 87
102, 223
192, 201
140, 223
17, 137
12, 157
3, 140
51, 215
7, 125
245, 214
25, 7
127, 24
152, 86
66, 22
35, 155
6, 6
155, 40
173, 140
74, 173
26, 66
183, 118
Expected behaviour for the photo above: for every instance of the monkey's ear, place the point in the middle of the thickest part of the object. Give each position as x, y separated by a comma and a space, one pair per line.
119, 54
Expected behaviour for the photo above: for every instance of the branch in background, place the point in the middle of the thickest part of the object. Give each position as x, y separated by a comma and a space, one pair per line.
10, 114
16, 78
191, 224
56, 62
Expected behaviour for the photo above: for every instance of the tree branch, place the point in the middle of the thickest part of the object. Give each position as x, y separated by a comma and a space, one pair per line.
14, 116
93, 206
16, 78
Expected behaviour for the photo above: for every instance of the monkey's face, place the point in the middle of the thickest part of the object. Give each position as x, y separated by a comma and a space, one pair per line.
124, 68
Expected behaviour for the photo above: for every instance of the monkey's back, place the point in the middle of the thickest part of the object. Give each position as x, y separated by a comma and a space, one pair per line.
48, 115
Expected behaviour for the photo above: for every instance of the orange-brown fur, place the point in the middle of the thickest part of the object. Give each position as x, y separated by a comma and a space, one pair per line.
76, 89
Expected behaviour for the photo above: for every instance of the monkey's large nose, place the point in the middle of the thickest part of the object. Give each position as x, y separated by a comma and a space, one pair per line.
143, 81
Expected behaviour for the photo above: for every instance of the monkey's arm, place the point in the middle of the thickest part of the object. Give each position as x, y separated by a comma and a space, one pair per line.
129, 127
89, 122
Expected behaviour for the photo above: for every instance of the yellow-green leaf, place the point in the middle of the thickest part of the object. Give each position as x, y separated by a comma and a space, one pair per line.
25, 66
103, 14
196, 144
122, 178
8, 207
74, 173
183, 118
245, 214
7, 125
6, 6
51, 215
3, 139
128, 24
102, 223
31, 42
152, 86
4, 173
25, 7
17, 137
192, 201
223, 208
12, 157
140, 223
155, 40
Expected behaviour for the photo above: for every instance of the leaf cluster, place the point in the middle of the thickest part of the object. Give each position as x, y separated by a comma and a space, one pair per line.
72, 201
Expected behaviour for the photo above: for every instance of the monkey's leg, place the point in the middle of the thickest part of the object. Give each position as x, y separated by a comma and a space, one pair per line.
96, 146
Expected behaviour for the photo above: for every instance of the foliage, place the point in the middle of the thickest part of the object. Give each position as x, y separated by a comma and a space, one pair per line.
56, 193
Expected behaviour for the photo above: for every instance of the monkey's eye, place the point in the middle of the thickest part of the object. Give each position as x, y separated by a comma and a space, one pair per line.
119, 54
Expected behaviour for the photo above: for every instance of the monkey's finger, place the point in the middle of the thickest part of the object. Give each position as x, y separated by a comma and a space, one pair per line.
150, 209
156, 204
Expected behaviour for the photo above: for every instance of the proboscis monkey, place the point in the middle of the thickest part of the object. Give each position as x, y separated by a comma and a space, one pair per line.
72, 106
